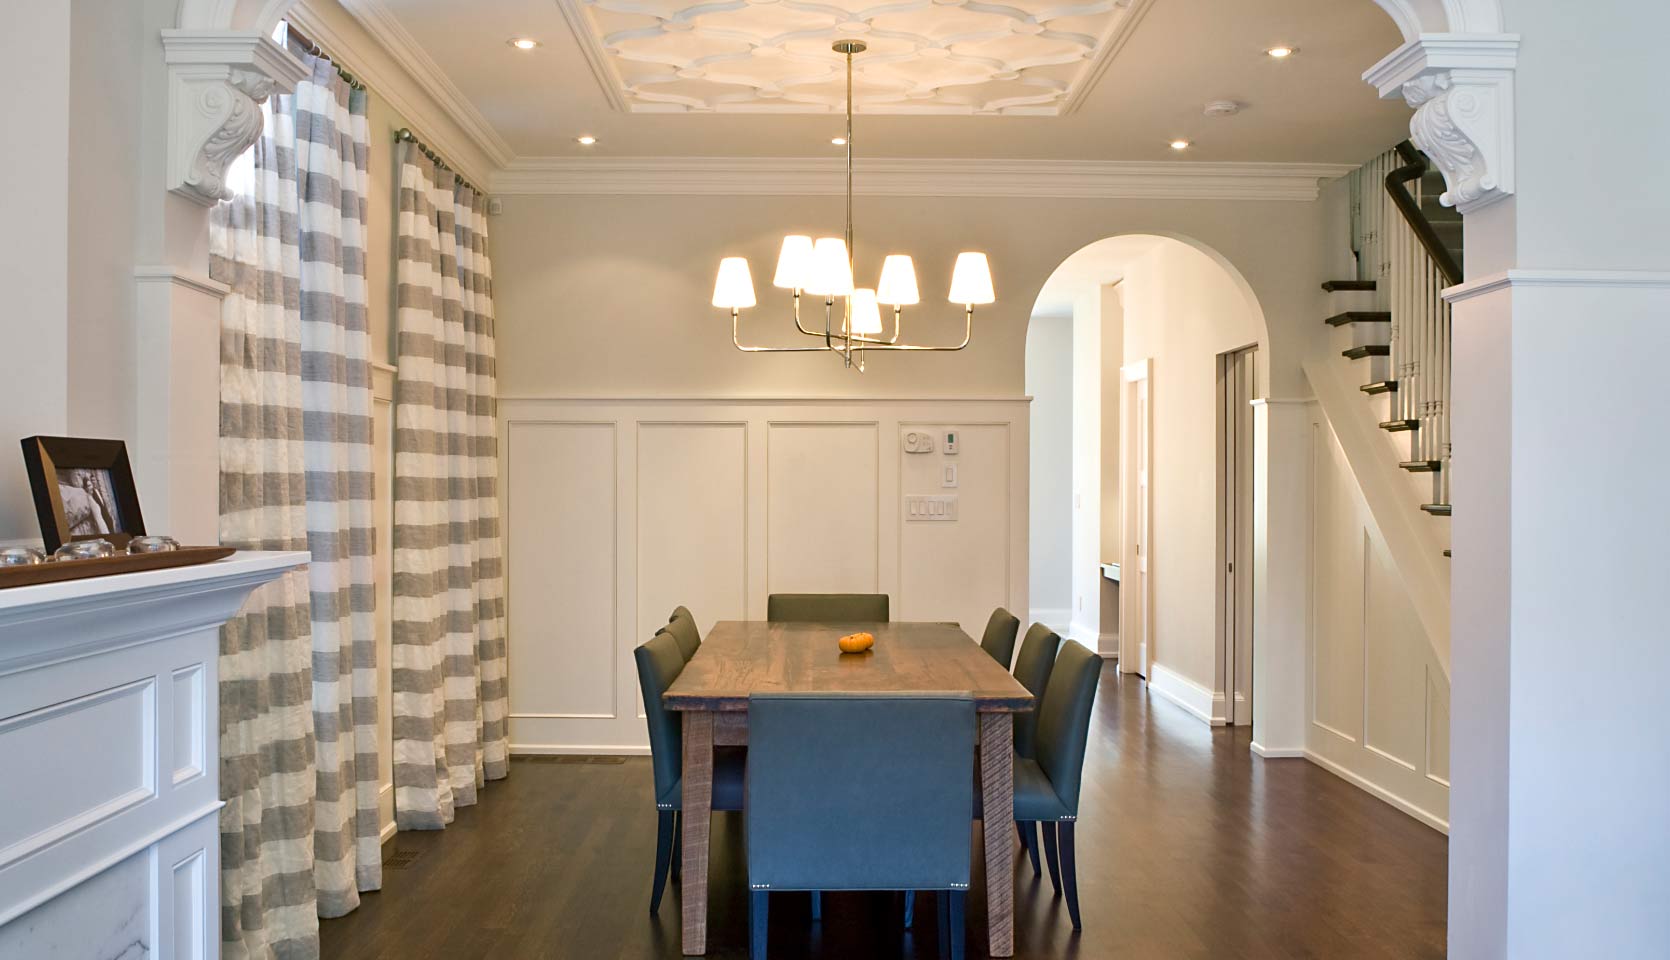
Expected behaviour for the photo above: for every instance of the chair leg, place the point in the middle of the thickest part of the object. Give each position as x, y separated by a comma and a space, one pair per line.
663, 856
817, 906
1029, 839
910, 908
1049, 855
678, 846
942, 905
759, 915
1070, 873
957, 934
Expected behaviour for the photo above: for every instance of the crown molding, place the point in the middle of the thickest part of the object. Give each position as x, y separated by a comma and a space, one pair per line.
1107, 52
400, 73
1586, 279
783, 176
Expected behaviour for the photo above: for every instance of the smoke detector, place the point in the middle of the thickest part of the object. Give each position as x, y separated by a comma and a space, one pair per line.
1222, 108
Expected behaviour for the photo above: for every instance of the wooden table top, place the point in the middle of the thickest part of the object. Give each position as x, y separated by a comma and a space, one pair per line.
741, 657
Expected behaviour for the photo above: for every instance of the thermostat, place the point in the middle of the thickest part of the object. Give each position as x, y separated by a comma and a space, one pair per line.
919, 442
950, 442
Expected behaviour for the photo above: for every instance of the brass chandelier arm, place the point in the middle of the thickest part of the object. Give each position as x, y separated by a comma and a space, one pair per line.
866, 343
736, 338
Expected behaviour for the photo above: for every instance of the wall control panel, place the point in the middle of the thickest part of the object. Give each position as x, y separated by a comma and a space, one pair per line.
918, 442
950, 442
919, 509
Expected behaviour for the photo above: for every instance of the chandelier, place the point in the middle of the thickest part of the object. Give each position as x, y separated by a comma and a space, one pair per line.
825, 268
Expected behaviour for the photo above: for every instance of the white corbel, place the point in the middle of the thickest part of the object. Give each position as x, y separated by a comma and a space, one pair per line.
217, 80
1461, 86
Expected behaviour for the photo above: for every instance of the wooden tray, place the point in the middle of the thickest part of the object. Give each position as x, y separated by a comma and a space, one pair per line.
60, 570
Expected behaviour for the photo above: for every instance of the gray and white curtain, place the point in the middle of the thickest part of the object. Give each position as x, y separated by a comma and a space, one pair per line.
299, 833
450, 697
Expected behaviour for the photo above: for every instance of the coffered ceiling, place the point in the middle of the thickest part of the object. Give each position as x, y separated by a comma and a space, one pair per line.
1018, 79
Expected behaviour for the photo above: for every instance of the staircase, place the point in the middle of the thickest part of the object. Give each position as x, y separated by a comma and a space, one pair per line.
1391, 321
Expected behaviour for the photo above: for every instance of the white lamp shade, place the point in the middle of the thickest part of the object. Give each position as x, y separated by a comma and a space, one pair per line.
971, 280
794, 264
831, 274
866, 316
734, 287
898, 281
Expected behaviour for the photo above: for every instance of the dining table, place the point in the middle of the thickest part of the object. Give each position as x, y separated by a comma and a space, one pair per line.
740, 658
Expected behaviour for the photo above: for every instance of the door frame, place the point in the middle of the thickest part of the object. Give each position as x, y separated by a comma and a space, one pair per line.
1237, 387
1136, 510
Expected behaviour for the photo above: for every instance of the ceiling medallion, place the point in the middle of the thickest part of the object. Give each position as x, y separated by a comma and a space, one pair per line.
825, 268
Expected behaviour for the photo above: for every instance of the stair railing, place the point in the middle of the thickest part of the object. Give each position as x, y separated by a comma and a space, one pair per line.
1399, 249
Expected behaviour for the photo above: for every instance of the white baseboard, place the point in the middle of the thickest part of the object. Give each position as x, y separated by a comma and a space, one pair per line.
1108, 646
572, 750
1357, 780
1187, 694
385, 812
1276, 753
388, 832
1079, 633
1056, 618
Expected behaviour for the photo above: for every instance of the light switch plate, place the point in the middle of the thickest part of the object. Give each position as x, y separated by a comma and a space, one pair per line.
949, 479
931, 509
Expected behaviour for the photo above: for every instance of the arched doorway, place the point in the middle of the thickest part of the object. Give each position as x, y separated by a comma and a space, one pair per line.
1143, 354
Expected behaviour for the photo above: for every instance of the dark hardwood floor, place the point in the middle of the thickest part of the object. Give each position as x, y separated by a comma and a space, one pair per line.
1189, 847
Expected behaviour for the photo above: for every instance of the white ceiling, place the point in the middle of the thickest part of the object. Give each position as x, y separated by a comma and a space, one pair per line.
774, 56
1171, 58
1093, 266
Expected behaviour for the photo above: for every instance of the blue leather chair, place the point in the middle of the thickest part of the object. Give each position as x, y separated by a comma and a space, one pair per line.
1047, 786
659, 664
999, 639
830, 808
1032, 669
683, 628
827, 608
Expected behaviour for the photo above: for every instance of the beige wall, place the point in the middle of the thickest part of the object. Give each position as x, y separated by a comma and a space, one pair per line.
1182, 310
1049, 380
609, 296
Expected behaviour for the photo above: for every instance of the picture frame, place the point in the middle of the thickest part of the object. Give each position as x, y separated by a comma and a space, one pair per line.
83, 490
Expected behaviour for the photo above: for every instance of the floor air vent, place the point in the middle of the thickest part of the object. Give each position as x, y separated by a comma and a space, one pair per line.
400, 859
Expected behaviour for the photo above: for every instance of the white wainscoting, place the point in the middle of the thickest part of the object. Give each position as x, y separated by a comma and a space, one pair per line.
617, 510
1378, 699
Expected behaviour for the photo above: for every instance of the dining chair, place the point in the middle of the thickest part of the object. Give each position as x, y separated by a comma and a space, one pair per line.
1032, 669
682, 625
999, 638
1047, 787
659, 664
830, 809
826, 608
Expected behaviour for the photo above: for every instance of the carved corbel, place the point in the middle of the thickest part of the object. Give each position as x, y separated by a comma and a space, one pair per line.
1461, 87
217, 81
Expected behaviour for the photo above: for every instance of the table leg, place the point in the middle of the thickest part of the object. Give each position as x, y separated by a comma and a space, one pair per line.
697, 819
997, 790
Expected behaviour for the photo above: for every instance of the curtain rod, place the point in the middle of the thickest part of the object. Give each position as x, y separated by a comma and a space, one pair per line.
296, 37
405, 135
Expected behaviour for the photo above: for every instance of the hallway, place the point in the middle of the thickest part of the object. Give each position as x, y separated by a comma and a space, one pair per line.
1189, 847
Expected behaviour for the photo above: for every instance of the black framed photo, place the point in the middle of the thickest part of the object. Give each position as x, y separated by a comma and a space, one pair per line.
83, 490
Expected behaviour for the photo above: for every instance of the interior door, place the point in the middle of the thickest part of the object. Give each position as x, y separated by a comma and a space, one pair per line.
1135, 458
1236, 392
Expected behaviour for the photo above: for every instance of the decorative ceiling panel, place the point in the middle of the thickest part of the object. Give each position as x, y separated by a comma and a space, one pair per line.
959, 57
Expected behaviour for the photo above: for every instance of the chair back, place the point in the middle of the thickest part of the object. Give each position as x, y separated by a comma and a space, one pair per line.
682, 626
1064, 720
831, 806
659, 664
1032, 669
999, 638
827, 608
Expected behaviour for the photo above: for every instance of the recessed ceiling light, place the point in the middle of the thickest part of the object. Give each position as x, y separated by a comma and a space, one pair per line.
1179, 144
585, 140
838, 141
1281, 53
523, 43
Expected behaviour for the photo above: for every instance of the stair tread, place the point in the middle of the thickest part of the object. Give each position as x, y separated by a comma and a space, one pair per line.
1437, 509
1446, 553
1379, 386
1399, 426
1360, 316
1421, 466
1335, 286
1367, 350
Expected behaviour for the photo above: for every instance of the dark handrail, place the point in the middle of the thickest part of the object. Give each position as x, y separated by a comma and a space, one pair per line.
1413, 169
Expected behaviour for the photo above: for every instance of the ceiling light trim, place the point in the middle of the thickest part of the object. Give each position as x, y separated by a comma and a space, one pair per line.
1123, 29
1062, 179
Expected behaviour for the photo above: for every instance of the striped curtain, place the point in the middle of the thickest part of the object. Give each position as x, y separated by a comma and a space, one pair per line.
298, 669
450, 696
